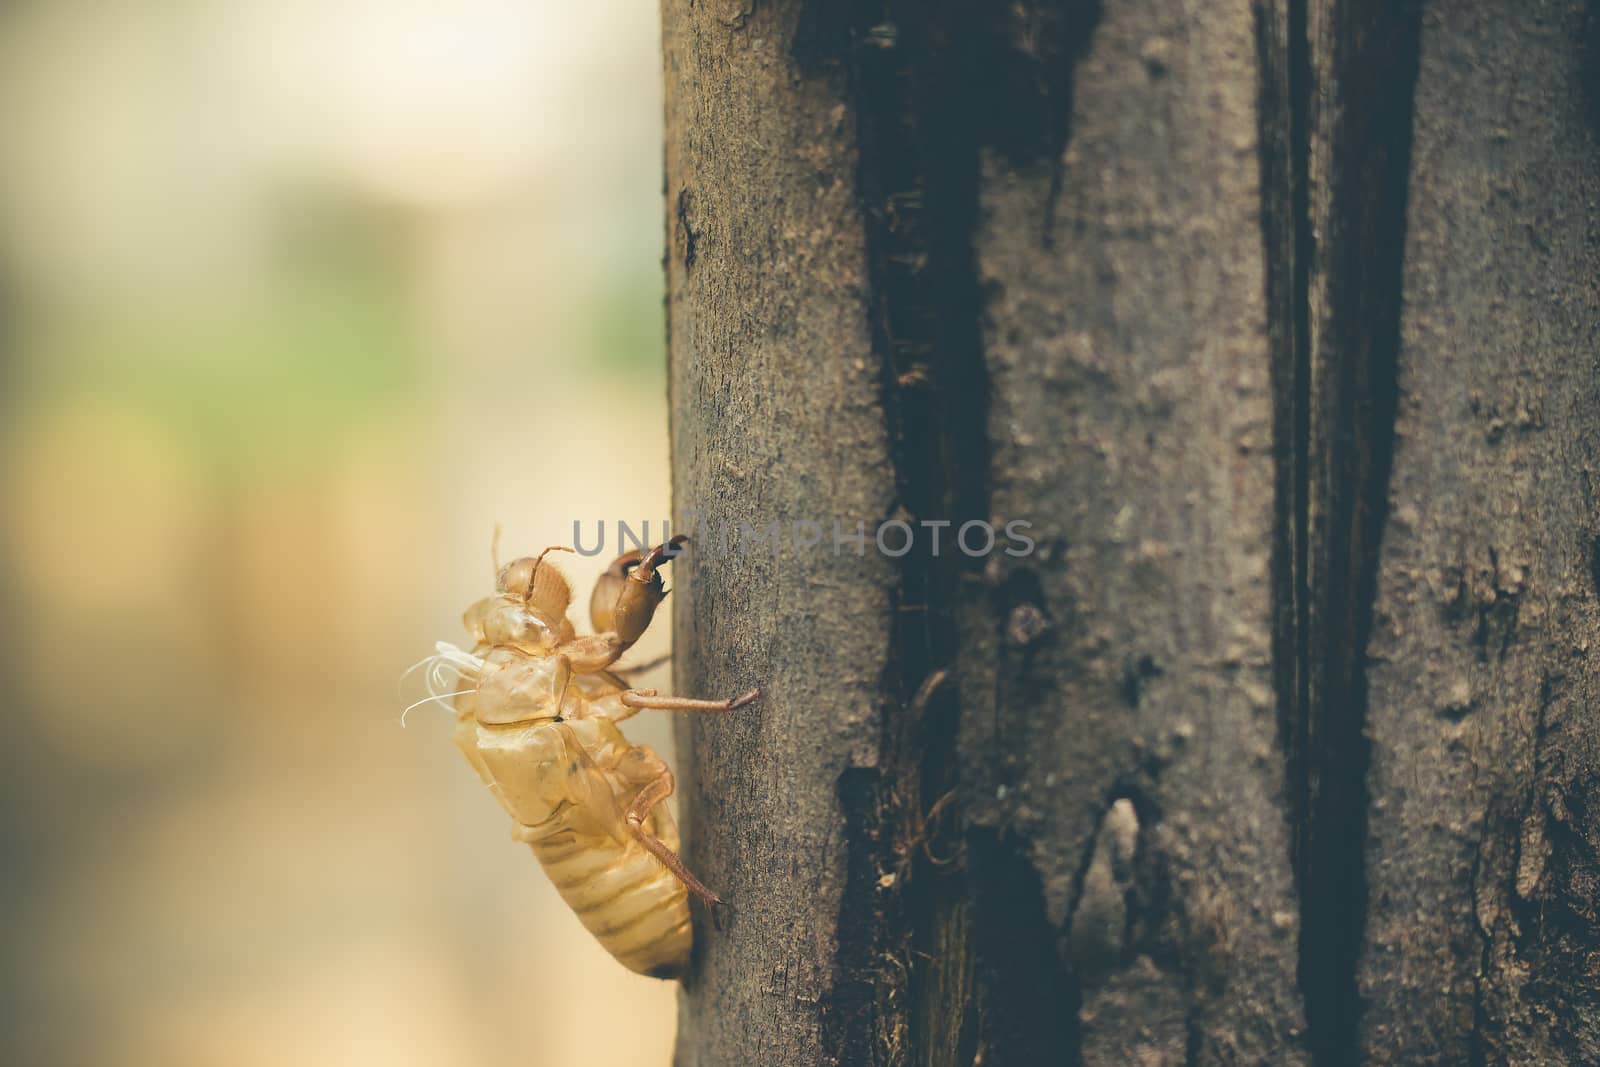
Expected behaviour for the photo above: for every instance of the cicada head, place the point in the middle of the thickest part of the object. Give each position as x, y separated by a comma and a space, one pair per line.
535, 582
528, 610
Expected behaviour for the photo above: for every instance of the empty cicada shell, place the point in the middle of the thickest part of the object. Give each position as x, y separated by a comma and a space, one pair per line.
537, 708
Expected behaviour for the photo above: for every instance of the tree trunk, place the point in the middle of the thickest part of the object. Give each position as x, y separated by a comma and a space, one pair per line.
1276, 325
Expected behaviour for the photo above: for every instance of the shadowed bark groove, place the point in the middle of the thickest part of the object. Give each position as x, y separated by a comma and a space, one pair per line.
917, 185
1363, 58
1284, 58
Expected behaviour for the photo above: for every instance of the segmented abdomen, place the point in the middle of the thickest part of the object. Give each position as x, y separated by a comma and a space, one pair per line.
633, 905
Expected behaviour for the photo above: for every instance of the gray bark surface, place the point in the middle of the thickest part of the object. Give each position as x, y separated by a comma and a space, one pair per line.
1277, 322
775, 416
1129, 357
1482, 932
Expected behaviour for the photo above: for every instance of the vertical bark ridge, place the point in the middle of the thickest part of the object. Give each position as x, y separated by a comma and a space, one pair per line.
1122, 752
777, 418
1482, 681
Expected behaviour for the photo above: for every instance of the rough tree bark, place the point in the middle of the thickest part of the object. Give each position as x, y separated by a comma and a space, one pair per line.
1277, 321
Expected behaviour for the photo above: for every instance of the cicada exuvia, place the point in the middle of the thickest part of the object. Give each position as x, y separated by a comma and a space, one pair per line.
537, 707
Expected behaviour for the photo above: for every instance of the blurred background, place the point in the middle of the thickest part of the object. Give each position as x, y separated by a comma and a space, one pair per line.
297, 300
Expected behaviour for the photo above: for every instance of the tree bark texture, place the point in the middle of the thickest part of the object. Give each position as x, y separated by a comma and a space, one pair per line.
1277, 321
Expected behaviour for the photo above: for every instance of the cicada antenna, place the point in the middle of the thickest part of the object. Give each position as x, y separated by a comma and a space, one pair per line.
494, 551
538, 562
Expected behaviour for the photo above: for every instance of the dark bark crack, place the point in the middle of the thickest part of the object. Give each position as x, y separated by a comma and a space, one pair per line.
933, 87
1336, 386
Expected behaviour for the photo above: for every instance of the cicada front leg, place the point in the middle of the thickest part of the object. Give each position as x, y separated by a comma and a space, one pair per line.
622, 606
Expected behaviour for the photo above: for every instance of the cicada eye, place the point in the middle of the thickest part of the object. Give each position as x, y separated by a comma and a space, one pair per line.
516, 577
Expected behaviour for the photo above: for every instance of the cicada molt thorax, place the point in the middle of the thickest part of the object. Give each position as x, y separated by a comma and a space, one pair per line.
515, 687
503, 620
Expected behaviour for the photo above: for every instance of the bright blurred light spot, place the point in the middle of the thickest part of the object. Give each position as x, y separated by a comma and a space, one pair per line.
423, 102
365, 1004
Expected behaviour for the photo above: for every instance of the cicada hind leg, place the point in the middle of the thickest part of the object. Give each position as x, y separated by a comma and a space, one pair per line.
653, 793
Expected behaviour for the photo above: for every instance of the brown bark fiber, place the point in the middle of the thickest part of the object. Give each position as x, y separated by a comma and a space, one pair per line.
1277, 322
